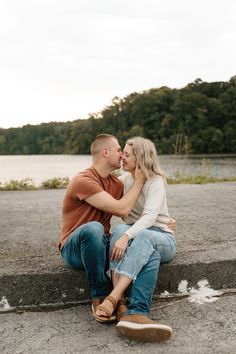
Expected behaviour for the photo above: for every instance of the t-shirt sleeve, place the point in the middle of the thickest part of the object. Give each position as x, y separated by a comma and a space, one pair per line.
87, 186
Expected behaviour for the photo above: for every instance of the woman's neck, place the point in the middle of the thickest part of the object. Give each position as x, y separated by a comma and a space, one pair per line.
132, 173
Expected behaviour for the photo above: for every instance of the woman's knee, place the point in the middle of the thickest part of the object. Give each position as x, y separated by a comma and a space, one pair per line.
173, 248
143, 237
118, 231
167, 250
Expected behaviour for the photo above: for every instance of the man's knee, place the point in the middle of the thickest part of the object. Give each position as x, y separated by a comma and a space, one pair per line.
90, 234
93, 228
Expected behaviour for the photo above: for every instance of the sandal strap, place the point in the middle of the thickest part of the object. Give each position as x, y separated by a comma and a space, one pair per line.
103, 308
112, 300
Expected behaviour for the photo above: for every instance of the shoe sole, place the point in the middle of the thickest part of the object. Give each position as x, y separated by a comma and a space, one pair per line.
144, 332
105, 319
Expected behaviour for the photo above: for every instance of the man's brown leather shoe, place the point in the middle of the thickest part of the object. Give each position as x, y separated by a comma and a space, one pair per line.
141, 328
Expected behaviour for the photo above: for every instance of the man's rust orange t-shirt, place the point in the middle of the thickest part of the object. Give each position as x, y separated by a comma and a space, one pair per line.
75, 210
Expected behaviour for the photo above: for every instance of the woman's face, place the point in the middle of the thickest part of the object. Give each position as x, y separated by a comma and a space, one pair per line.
128, 159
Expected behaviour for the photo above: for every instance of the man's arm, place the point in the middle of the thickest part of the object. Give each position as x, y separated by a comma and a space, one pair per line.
122, 207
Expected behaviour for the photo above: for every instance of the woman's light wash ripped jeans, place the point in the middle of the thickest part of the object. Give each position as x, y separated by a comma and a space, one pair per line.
141, 248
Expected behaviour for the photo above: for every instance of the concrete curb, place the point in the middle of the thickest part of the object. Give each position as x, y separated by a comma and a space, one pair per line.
69, 285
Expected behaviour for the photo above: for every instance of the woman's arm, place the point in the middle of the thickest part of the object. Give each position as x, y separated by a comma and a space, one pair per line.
155, 195
154, 198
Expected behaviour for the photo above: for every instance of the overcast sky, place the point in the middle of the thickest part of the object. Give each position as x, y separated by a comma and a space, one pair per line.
63, 59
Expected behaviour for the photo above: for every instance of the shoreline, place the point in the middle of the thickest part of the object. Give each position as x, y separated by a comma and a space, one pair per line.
61, 183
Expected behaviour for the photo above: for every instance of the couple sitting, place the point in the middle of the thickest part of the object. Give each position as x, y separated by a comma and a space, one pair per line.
139, 242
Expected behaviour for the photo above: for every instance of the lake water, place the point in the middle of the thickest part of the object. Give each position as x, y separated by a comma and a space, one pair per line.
43, 167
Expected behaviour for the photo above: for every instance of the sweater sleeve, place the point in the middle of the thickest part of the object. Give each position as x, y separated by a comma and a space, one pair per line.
155, 193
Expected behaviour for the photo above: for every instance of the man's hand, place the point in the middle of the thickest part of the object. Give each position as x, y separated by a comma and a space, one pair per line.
119, 248
172, 224
139, 175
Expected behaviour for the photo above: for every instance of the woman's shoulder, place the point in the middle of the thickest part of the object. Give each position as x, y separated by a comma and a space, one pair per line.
156, 181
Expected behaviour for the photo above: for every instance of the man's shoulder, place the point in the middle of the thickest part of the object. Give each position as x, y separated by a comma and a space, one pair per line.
85, 183
90, 176
83, 178
84, 174
90, 171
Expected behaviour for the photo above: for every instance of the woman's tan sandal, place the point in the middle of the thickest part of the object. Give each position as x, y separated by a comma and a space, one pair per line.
109, 317
121, 309
95, 303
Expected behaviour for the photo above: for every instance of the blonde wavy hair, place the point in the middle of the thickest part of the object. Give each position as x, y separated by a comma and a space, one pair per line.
146, 156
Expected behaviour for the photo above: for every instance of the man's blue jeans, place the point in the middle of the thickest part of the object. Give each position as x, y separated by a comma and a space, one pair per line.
88, 248
141, 262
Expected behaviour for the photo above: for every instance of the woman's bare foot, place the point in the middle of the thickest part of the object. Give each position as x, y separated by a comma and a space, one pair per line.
108, 305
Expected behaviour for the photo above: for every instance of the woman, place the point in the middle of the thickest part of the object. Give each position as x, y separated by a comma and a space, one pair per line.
143, 231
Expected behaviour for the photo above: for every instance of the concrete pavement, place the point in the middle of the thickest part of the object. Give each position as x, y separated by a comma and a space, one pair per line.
32, 271
197, 329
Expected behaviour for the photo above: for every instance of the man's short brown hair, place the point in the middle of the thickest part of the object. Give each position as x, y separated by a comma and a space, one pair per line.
100, 140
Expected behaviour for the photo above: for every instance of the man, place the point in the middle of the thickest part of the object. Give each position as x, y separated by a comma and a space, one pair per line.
91, 198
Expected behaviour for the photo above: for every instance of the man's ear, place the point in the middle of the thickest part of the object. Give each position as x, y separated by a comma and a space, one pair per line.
105, 152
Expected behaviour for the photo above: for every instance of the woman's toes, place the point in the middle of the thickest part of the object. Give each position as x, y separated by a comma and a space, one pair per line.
107, 305
100, 313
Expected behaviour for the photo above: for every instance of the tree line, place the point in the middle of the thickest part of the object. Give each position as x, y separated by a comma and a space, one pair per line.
199, 118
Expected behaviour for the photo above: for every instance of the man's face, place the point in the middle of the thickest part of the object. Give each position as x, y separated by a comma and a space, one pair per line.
115, 154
